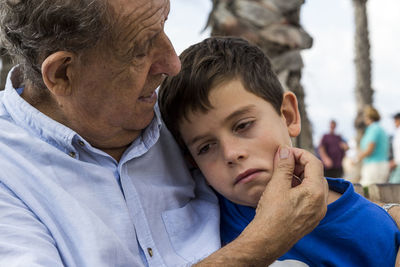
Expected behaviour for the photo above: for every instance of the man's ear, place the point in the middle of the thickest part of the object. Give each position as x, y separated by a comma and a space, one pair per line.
56, 72
290, 112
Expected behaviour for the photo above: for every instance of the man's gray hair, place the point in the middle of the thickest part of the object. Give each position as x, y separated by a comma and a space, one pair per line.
31, 30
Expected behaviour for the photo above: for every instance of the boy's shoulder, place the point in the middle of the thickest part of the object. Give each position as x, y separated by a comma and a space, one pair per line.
349, 204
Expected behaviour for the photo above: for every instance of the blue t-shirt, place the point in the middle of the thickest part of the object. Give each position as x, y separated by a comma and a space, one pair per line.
354, 232
375, 134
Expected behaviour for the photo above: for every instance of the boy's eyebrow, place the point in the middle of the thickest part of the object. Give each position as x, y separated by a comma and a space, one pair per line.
195, 139
239, 112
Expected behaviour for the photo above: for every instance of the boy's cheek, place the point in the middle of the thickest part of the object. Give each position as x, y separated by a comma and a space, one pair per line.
189, 158
211, 173
207, 172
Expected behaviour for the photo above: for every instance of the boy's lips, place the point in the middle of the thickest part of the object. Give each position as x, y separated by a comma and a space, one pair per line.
247, 175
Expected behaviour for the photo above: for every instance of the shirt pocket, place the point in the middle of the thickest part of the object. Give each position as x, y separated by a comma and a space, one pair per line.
193, 229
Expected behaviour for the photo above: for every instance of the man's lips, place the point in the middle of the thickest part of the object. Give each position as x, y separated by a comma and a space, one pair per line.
246, 176
149, 98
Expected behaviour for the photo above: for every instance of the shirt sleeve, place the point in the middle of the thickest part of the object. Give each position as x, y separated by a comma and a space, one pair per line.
24, 240
372, 135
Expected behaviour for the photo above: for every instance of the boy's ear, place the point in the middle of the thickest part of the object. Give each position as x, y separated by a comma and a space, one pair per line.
56, 72
290, 112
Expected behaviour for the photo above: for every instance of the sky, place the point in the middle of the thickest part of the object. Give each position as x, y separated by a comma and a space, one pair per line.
329, 73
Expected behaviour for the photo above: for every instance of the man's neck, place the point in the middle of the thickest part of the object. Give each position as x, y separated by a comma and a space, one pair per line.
116, 153
40, 99
113, 144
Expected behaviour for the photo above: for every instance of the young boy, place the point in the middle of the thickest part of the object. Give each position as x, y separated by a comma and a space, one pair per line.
229, 112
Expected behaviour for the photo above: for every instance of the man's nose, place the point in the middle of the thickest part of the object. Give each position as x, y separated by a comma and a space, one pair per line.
167, 61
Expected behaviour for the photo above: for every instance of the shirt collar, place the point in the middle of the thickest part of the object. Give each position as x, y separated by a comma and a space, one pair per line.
31, 119
147, 139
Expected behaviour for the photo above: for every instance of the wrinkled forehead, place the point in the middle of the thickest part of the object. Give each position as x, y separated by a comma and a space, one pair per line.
138, 19
140, 10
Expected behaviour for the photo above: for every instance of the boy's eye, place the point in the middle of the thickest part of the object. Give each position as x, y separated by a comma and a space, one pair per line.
243, 126
203, 149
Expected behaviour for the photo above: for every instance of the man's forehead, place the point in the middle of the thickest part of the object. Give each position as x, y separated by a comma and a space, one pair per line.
126, 7
139, 17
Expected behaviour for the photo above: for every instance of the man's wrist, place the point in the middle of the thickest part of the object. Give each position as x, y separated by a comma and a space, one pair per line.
388, 206
266, 243
394, 211
251, 248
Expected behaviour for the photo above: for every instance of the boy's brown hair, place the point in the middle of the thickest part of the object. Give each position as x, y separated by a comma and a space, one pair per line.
208, 64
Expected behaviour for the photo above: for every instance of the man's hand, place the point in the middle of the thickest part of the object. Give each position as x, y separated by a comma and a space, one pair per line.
284, 213
292, 212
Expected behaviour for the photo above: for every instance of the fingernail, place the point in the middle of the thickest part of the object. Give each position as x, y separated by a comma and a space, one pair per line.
284, 153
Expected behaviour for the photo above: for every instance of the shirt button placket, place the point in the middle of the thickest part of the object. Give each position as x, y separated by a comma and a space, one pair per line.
150, 251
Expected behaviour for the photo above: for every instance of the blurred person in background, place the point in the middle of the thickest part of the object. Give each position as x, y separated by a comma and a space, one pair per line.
374, 150
395, 162
332, 150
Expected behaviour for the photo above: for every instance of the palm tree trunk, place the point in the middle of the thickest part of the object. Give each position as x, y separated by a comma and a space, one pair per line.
363, 90
362, 61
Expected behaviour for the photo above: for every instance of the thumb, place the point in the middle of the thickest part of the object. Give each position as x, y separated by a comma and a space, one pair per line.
284, 164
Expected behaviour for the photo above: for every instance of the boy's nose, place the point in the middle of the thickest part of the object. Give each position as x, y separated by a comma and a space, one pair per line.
233, 154
234, 160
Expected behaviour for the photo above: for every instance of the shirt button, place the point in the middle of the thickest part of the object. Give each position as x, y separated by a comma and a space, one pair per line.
72, 154
150, 251
81, 143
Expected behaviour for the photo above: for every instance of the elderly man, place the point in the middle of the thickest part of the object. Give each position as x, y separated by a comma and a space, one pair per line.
89, 175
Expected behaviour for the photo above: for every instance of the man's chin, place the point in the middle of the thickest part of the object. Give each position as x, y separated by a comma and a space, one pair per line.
142, 122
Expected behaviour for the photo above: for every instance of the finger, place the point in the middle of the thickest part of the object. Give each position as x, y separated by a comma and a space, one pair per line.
313, 171
308, 164
284, 164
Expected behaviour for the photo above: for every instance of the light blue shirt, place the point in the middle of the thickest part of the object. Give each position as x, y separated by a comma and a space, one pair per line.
375, 134
66, 203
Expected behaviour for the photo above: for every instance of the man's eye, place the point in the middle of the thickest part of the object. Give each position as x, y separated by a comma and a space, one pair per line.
140, 55
243, 126
140, 52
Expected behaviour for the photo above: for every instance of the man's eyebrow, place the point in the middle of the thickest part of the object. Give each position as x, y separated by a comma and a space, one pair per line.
236, 113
